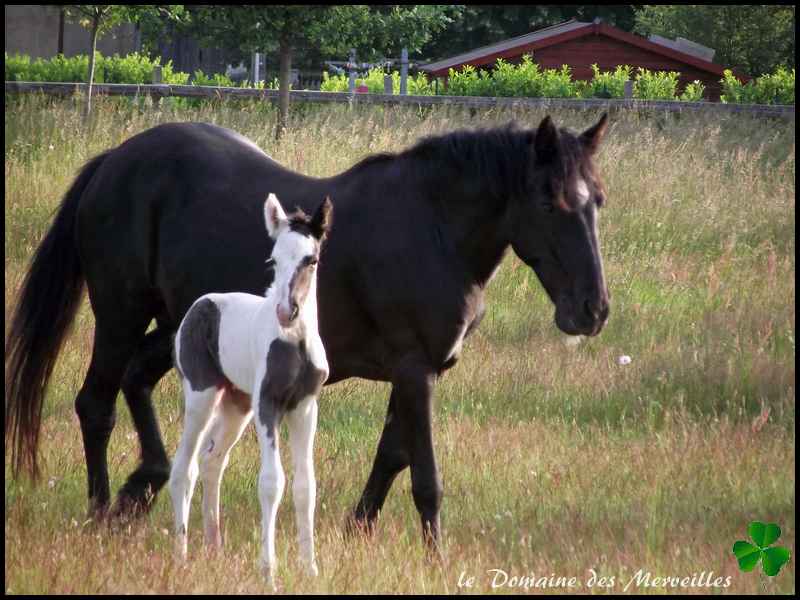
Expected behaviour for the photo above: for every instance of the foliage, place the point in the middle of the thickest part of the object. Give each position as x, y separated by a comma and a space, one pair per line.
216, 80
418, 85
693, 92
656, 85
608, 84
132, 68
480, 25
528, 80
753, 38
775, 88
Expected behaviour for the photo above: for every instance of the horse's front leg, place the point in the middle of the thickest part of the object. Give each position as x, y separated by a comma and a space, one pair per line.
302, 423
271, 482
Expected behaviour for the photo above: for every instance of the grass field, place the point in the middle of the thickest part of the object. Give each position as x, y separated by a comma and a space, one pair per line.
556, 460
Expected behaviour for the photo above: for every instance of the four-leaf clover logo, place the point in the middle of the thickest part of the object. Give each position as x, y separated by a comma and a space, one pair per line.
748, 555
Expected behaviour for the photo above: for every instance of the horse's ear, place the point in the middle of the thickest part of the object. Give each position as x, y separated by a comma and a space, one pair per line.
592, 137
273, 215
546, 144
323, 217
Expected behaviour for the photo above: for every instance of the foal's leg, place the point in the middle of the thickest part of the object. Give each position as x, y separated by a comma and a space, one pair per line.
302, 422
227, 427
271, 482
199, 410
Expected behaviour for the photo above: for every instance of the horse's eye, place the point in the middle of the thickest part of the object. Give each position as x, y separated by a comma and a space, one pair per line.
600, 200
313, 262
270, 262
547, 206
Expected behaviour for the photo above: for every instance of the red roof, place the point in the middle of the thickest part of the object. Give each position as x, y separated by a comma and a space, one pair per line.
557, 34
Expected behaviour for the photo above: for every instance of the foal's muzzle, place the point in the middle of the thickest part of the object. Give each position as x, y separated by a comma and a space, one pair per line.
287, 317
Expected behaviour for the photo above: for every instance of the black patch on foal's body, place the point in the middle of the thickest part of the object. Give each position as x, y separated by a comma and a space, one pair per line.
290, 377
199, 354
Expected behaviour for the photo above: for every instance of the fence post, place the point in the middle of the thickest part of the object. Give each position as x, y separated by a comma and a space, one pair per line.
352, 71
388, 87
254, 69
404, 71
157, 74
628, 90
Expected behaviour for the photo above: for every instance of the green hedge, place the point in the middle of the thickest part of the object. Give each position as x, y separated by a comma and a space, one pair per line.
525, 79
775, 88
528, 80
133, 68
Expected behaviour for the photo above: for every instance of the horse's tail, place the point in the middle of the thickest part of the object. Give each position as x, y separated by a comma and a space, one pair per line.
50, 296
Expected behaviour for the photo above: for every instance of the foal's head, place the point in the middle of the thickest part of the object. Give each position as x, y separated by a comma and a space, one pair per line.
554, 225
298, 240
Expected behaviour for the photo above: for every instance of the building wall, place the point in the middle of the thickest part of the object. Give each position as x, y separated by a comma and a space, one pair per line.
33, 30
608, 53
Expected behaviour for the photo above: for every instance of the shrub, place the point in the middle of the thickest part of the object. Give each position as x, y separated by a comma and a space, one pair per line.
215, 80
608, 84
418, 85
693, 92
658, 85
133, 68
775, 88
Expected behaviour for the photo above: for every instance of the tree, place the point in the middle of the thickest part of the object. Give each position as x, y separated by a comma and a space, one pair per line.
328, 29
480, 25
101, 18
755, 39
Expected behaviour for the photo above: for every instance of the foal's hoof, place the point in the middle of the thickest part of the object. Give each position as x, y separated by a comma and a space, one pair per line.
270, 578
312, 570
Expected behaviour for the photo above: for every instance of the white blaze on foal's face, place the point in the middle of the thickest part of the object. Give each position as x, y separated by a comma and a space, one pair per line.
294, 258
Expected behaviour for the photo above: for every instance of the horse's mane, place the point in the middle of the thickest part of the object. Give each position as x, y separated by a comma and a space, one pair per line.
499, 156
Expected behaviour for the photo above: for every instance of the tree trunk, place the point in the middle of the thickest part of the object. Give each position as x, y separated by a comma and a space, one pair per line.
283, 88
95, 29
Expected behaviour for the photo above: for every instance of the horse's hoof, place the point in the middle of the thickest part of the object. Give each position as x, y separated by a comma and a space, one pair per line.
357, 527
125, 510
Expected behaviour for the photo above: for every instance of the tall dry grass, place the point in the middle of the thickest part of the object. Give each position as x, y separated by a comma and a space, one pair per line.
556, 460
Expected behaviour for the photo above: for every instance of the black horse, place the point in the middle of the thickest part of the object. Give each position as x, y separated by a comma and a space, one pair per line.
176, 212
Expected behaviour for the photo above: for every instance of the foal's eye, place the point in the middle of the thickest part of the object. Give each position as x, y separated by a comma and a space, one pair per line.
313, 262
547, 206
270, 262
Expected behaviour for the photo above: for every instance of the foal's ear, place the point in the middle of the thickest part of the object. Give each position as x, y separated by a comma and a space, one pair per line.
592, 137
321, 221
274, 216
546, 143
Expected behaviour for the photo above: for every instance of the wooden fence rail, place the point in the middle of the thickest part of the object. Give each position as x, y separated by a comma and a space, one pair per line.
193, 91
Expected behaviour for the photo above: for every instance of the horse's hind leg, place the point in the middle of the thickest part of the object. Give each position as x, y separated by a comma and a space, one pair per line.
95, 404
183, 476
150, 362
229, 423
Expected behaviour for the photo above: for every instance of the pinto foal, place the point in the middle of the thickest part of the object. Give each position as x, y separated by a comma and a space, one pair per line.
238, 354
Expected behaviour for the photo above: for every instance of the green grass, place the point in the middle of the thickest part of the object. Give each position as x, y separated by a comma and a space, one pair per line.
556, 460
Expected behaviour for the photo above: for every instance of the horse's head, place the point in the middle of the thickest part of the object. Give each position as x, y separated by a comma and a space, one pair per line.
298, 240
554, 225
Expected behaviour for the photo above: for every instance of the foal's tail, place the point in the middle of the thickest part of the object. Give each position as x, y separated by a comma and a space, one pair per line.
50, 297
